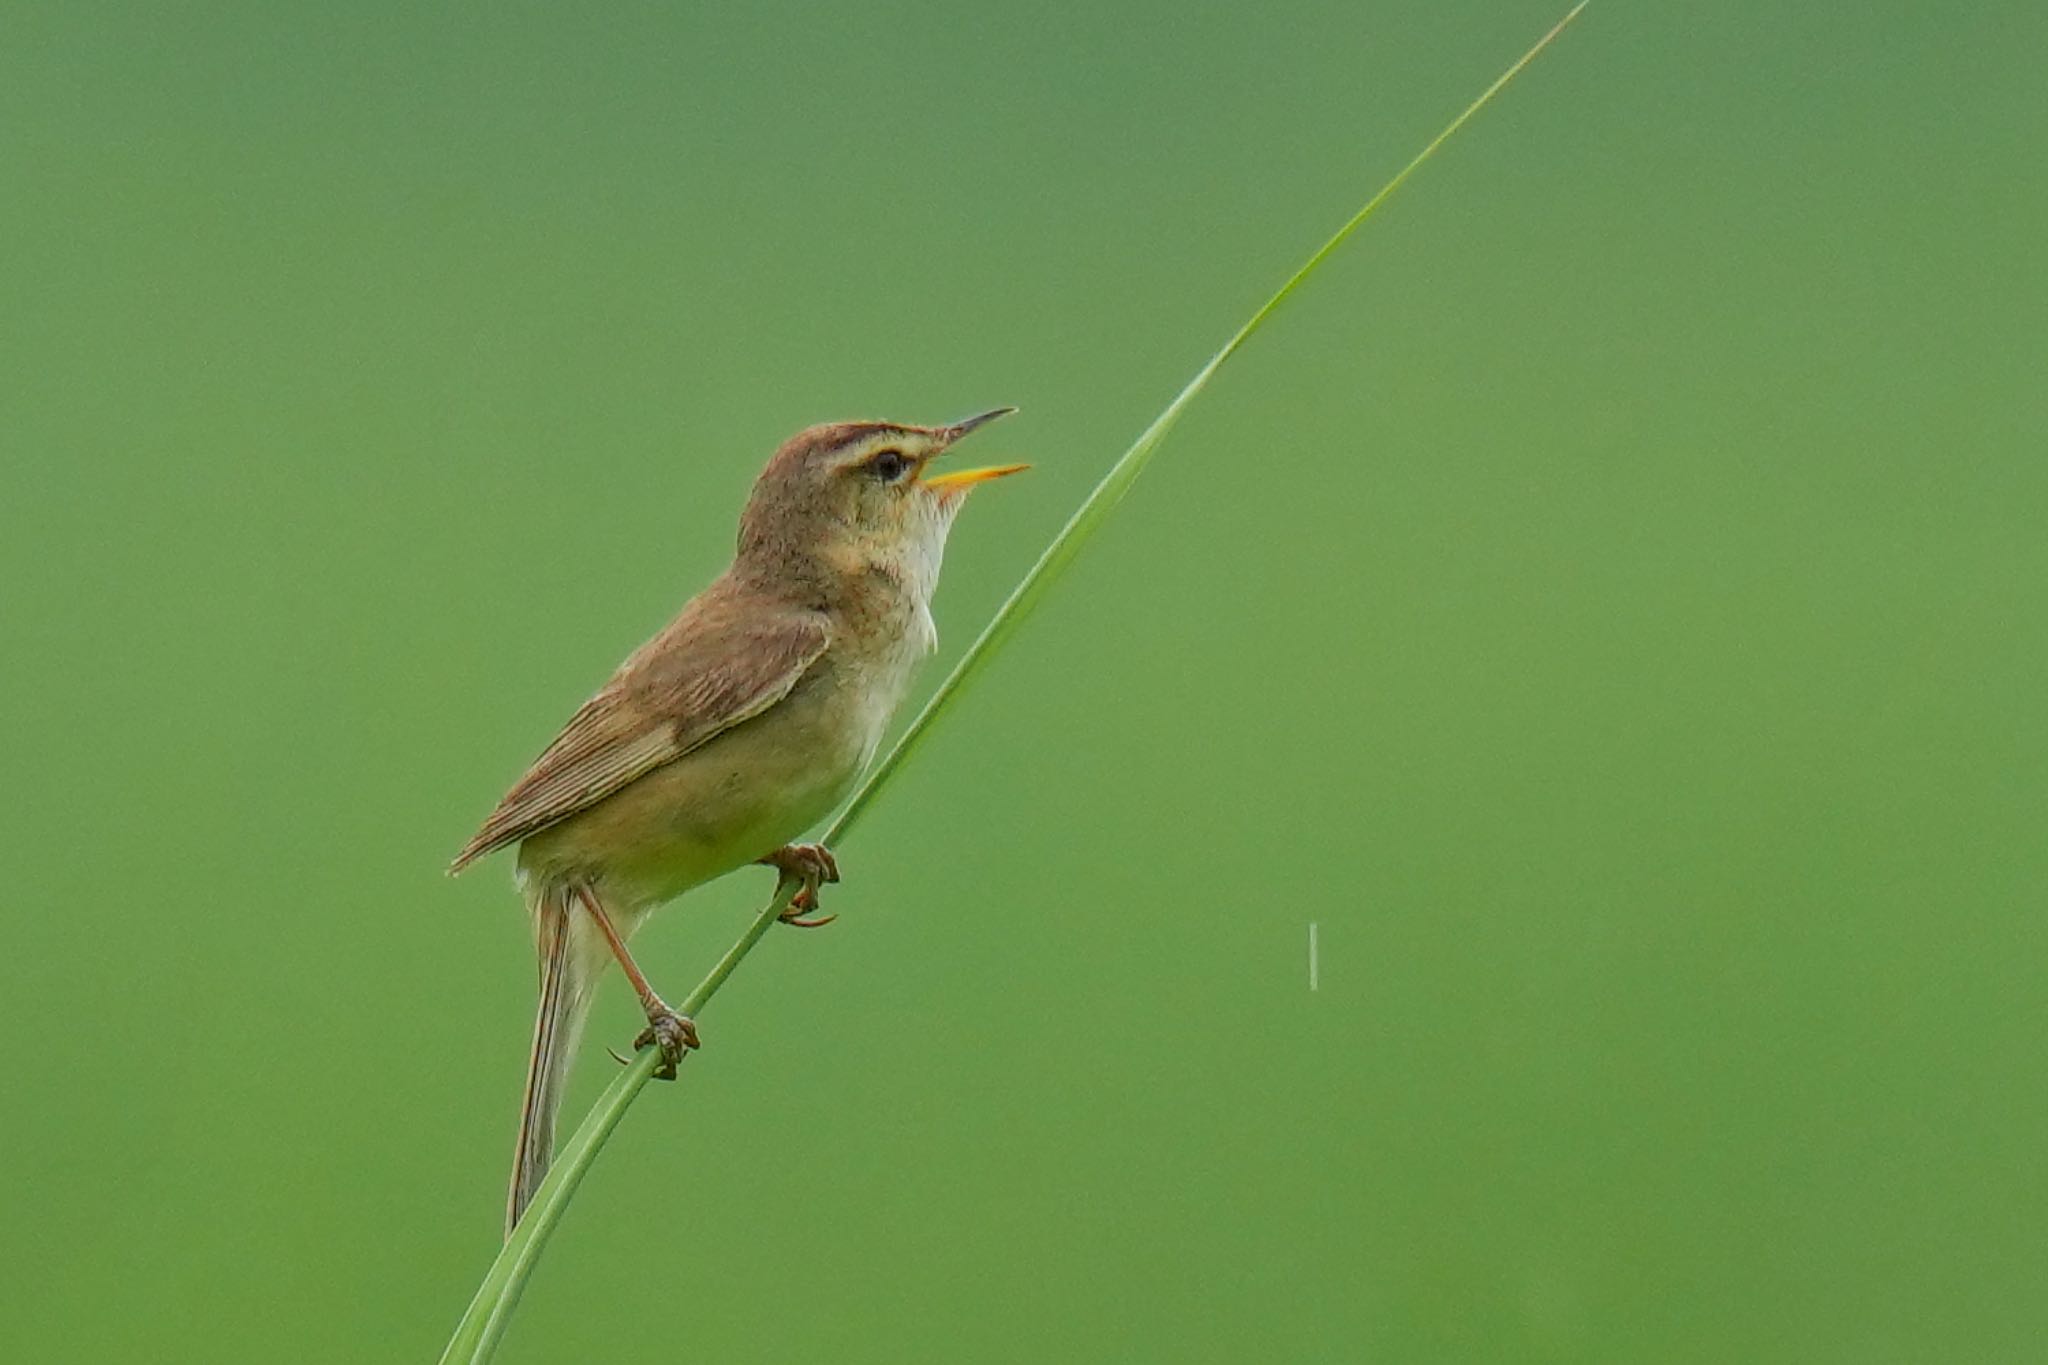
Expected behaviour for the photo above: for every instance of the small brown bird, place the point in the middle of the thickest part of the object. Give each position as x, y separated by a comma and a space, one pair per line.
731, 732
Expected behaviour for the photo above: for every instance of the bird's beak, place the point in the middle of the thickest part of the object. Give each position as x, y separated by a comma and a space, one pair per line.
954, 483
958, 481
958, 429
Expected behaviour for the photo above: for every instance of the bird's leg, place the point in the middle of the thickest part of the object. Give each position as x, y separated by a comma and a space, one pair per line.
813, 865
667, 1030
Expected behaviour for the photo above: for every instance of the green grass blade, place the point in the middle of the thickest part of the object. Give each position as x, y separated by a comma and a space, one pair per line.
477, 1335
1100, 502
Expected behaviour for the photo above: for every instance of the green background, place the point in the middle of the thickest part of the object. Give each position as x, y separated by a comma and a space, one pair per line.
1609, 603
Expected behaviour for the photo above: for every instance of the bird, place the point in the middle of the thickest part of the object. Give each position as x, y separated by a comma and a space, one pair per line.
730, 732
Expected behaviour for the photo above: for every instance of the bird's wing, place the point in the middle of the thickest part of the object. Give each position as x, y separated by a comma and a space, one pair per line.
716, 666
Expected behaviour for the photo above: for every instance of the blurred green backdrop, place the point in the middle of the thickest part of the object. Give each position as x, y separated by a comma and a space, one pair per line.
1609, 604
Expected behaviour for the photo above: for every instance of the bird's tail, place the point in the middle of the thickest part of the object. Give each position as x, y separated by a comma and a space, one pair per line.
572, 955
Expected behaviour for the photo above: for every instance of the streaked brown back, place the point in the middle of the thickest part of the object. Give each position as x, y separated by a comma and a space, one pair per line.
725, 659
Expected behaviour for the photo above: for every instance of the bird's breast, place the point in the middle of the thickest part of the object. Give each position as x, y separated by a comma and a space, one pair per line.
751, 789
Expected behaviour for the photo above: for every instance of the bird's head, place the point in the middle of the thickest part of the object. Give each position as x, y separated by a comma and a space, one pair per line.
859, 497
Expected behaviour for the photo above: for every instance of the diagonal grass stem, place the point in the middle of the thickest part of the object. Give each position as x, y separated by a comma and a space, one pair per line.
483, 1325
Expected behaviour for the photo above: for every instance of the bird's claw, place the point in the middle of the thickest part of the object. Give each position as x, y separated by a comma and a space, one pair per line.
814, 866
671, 1032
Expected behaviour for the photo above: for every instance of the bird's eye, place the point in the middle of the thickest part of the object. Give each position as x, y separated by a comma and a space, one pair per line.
889, 466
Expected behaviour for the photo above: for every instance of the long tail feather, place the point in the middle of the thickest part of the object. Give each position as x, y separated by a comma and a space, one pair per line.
567, 975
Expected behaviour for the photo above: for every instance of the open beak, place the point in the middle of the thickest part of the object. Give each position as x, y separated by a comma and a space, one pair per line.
958, 481
961, 428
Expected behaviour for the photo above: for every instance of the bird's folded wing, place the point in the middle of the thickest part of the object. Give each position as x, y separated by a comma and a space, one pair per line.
709, 671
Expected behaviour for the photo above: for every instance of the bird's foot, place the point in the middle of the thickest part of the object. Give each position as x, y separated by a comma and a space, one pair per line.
813, 865
671, 1032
